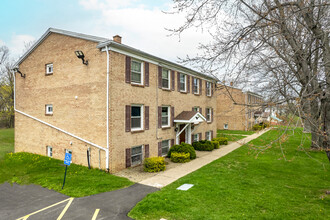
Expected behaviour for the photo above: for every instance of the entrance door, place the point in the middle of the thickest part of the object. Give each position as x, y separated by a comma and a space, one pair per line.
183, 134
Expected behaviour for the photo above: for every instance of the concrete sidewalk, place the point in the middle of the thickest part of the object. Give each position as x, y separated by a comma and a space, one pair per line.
169, 176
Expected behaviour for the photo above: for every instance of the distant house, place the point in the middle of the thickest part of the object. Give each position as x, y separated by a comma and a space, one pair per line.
237, 110
90, 94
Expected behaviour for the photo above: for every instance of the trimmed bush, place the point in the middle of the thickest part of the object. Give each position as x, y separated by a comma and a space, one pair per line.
203, 145
257, 127
216, 144
183, 148
154, 164
221, 140
178, 157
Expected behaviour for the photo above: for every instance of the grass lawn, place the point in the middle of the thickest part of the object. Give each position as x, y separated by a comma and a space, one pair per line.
6, 141
243, 185
232, 137
235, 132
26, 168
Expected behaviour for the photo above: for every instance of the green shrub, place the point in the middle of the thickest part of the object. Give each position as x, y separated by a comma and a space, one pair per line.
154, 164
216, 144
178, 157
221, 140
203, 145
257, 127
183, 148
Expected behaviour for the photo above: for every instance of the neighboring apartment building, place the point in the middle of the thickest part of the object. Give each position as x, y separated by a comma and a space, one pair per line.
237, 110
118, 103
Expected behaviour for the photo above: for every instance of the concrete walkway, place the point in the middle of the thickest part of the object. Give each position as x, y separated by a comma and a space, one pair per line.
169, 176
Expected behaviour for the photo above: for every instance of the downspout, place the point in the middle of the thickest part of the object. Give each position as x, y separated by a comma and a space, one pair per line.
107, 150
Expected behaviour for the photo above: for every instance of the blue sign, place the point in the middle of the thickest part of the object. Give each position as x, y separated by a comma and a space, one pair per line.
67, 159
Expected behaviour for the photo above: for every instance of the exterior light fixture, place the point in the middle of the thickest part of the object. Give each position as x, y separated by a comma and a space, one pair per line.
81, 56
17, 70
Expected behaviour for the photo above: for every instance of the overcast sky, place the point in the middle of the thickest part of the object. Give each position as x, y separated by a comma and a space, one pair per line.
141, 23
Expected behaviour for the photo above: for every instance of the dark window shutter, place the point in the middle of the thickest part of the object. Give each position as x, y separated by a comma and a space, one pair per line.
146, 150
192, 109
172, 115
159, 116
211, 135
211, 114
128, 157
200, 136
159, 149
200, 86
173, 79
178, 79
192, 84
206, 88
172, 142
128, 118
146, 74
205, 134
192, 138
159, 77
188, 83
128, 70
146, 115
201, 110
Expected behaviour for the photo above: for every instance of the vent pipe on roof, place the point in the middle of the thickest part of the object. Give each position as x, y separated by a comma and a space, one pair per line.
117, 39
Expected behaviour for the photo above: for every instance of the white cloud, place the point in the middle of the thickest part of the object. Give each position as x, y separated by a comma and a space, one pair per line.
18, 44
144, 28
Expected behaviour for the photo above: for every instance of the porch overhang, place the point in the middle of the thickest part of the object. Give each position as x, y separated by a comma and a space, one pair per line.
189, 117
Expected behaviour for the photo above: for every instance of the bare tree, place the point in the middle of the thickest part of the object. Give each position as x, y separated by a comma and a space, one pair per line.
282, 44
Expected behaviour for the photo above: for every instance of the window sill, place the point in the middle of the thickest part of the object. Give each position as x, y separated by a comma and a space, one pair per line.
136, 131
165, 128
197, 94
166, 89
209, 96
48, 74
137, 85
209, 122
49, 114
183, 92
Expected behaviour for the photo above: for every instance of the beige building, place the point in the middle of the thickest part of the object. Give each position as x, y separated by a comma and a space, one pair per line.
79, 93
237, 110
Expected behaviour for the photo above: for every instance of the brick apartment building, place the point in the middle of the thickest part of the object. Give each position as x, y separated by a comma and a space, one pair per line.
77, 93
237, 110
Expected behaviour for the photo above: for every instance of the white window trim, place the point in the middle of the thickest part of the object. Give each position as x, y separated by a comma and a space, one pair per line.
210, 119
48, 112
209, 89
185, 82
225, 126
197, 86
168, 146
68, 151
142, 72
197, 139
49, 151
142, 149
47, 65
209, 136
142, 117
198, 108
168, 116
169, 79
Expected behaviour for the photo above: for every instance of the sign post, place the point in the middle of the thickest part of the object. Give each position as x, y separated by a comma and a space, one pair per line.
67, 162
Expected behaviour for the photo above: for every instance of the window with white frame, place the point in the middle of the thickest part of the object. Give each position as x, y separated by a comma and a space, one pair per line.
49, 109
136, 72
49, 151
208, 114
183, 84
208, 88
136, 155
195, 138
208, 135
68, 151
196, 86
196, 109
136, 117
49, 69
165, 147
166, 79
165, 116
225, 126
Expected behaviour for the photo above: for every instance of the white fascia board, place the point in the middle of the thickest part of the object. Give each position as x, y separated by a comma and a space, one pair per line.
126, 50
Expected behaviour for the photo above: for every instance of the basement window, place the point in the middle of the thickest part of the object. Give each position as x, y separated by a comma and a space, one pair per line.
49, 109
195, 138
165, 147
49, 69
136, 156
208, 136
49, 151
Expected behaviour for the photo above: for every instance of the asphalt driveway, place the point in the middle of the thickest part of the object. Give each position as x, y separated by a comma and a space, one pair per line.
36, 202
